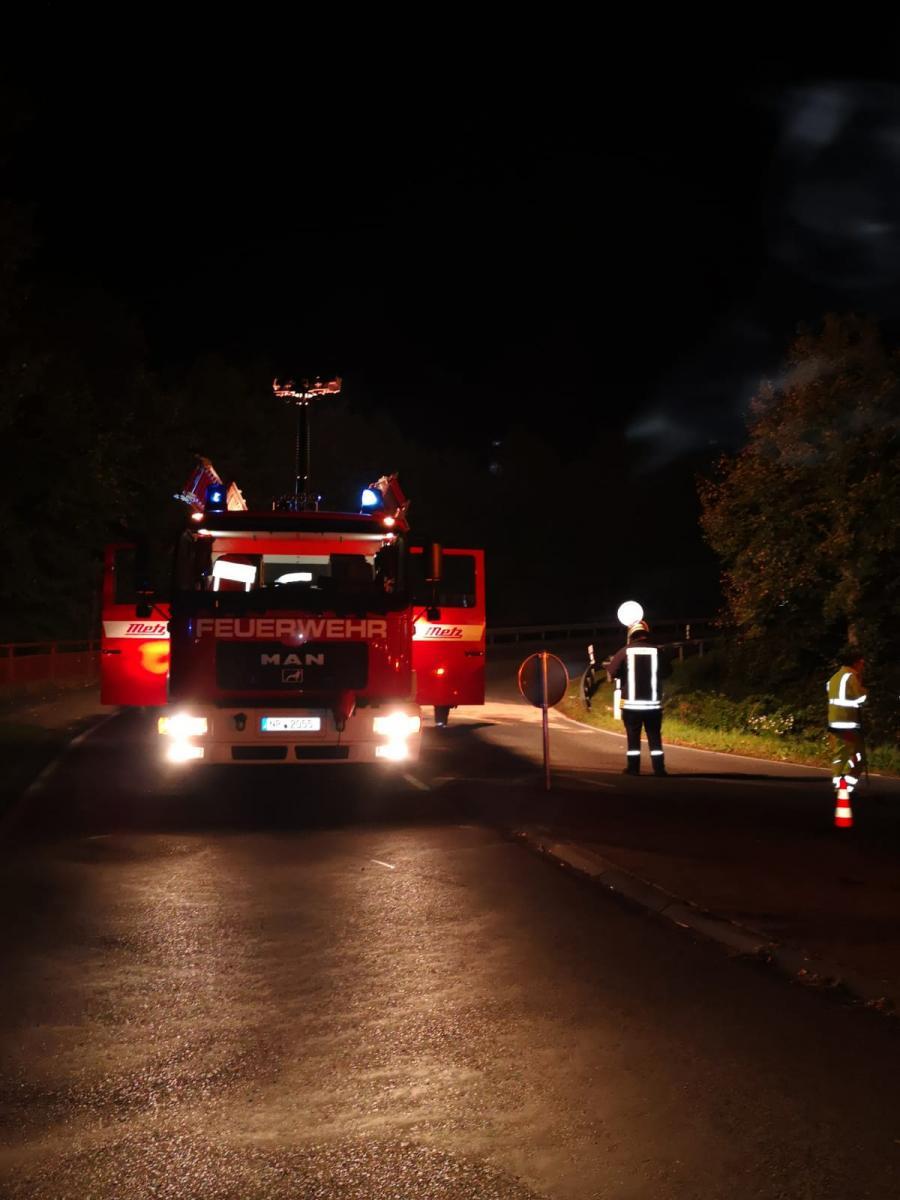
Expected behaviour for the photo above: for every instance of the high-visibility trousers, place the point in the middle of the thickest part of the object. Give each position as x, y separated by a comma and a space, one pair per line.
651, 720
848, 756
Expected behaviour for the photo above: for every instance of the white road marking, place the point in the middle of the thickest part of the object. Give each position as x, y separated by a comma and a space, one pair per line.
593, 782
9, 818
52, 767
417, 783
390, 866
777, 762
39, 780
83, 737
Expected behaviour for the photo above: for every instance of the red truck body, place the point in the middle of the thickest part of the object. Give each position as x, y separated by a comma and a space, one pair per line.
296, 637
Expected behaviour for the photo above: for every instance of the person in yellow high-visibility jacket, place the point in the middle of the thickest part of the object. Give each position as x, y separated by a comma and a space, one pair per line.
846, 697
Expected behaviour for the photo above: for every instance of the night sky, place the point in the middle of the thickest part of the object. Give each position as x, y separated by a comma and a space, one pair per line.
591, 236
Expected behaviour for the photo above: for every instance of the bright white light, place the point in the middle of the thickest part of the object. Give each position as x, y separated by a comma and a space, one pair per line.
295, 577
181, 751
182, 725
244, 573
389, 521
369, 498
629, 612
394, 751
397, 725
197, 516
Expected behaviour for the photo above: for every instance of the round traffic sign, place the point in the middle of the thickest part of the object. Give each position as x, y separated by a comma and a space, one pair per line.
532, 676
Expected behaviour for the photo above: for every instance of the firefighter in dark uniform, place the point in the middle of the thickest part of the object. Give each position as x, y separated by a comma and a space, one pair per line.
636, 668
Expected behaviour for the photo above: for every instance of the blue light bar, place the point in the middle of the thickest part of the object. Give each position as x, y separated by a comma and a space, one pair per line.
370, 498
215, 497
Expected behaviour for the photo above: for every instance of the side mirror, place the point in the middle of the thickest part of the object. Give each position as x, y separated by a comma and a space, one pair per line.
144, 606
435, 563
435, 571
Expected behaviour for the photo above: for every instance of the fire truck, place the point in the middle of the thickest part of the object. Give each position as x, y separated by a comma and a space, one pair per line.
296, 636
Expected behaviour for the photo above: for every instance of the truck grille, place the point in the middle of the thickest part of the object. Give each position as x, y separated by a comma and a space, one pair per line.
272, 667
259, 753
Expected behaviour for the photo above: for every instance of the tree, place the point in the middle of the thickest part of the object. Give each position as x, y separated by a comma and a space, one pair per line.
805, 517
73, 409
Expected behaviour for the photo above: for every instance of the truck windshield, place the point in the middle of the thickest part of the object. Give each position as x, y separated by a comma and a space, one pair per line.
358, 578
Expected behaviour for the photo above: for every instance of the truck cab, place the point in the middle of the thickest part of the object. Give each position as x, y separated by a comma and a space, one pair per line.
291, 640
295, 635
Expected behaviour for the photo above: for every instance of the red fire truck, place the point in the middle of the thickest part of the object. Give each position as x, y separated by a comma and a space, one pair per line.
297, 636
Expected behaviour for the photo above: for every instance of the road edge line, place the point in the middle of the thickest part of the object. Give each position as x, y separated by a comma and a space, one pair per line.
790, 961
13, 810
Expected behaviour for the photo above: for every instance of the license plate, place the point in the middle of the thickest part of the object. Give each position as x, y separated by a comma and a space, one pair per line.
291, 724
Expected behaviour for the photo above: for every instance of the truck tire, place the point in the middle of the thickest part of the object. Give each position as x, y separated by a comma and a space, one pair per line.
441, 715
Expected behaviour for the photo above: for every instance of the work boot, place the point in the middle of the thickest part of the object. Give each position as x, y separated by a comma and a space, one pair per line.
632, 771
660, 771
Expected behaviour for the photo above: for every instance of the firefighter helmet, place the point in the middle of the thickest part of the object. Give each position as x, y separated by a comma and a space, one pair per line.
639, 629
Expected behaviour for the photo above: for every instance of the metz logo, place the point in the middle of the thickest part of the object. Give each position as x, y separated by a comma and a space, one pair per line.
136, 629
442, 631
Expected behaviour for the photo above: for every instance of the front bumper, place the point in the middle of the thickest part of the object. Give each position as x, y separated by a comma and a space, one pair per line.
236, 735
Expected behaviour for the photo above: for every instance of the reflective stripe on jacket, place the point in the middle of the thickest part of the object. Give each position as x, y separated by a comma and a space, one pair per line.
637, 668
845, 698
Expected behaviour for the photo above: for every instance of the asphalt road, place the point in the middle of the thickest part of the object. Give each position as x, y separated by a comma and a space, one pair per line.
340, 984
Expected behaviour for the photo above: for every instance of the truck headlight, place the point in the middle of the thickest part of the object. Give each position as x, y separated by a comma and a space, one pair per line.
394, 750
182, 725
397, 725
180, 750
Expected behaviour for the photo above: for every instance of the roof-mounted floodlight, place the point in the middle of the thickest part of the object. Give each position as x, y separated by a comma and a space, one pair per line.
629, 612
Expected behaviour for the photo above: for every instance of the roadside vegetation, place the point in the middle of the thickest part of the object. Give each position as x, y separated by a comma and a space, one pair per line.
804, 521
706, 707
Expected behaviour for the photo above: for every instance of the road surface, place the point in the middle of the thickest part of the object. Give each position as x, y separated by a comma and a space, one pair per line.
333, 984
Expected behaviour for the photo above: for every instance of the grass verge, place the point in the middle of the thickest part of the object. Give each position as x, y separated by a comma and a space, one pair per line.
813, 752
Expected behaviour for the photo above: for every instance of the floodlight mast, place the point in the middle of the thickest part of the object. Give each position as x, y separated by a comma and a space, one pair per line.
300, 395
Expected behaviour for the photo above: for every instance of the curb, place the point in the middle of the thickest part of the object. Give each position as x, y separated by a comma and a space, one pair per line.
14, 805
790, 961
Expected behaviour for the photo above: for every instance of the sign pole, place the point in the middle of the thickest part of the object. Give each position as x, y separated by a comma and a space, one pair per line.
545, 720
543, 680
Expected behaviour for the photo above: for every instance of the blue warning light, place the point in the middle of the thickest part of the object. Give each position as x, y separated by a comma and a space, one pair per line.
215, 498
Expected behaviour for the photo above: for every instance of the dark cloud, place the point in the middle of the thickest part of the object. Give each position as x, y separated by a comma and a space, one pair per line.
835, 198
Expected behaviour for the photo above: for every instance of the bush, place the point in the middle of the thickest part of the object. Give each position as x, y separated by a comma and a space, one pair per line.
713, 710
699, 673
753, 714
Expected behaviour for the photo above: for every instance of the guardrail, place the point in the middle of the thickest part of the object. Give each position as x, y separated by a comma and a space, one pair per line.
39, 662
685, 629
42, 662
